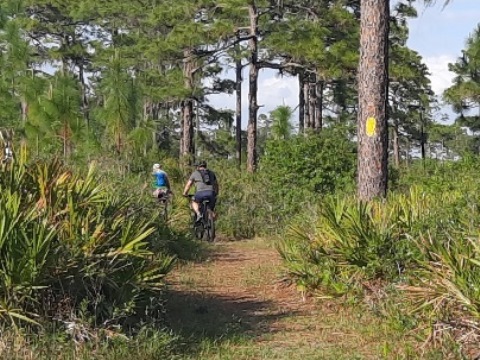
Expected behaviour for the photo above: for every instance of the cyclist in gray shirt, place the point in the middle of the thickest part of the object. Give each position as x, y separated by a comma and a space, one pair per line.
206, 186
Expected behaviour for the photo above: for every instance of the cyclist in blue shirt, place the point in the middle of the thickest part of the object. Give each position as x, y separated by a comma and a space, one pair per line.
160, 182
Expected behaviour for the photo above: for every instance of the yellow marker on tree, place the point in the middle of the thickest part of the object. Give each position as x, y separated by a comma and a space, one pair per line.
371, 126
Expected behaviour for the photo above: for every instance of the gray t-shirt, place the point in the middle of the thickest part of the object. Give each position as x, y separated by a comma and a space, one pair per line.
198, 180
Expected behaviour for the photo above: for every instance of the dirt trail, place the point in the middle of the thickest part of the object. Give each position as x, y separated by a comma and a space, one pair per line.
236, 293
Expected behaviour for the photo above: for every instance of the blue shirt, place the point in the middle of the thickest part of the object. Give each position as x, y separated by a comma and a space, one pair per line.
160, 179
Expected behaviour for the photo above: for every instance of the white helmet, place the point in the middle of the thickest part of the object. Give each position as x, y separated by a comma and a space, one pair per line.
156, 167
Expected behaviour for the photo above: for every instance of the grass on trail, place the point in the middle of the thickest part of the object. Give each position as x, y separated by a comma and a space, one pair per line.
233, 306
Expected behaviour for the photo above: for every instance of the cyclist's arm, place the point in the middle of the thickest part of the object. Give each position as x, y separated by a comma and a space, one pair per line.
188, 185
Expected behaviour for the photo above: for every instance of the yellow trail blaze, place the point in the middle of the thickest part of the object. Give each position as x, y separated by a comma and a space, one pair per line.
371, 126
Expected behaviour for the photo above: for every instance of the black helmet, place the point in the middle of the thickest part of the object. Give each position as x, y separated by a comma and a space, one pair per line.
201, 163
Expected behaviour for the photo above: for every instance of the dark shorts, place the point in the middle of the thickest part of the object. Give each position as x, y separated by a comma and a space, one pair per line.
209, 195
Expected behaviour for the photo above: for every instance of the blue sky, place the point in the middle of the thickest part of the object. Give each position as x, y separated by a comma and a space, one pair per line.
438, 34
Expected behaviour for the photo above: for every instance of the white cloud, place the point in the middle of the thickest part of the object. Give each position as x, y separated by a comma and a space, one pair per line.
273, 91
440, 77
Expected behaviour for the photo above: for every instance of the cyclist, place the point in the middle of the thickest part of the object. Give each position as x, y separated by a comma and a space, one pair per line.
206, 186
160, 182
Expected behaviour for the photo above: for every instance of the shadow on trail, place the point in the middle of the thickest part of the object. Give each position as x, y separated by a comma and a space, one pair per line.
228, 297
197, 316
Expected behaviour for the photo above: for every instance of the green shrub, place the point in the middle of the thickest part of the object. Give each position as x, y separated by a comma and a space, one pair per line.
318, 164
351, 242
71, 249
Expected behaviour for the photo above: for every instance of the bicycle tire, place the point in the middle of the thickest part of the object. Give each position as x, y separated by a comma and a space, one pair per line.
210, 225
197, 228
165, 211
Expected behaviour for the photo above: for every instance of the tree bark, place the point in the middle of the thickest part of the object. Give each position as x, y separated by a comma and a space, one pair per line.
422, 137
372, 93
253, 85
238, 111
312, 104
319, 106
396, 144
306, 97
187, 114
187, 149
301, 103
83, 89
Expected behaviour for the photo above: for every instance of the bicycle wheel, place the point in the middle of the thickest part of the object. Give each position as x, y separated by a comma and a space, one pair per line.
164, 205
197, 227
210, 227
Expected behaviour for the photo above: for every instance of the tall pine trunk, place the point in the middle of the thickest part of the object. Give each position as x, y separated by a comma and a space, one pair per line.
238, 111
312, 104
372, 93
187, 149
396, 143
306, 97
187, 141
301, 103
83, 89
319, 106
253, 85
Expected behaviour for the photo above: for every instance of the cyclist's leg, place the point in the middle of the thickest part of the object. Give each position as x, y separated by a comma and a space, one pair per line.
212, 202
197, 200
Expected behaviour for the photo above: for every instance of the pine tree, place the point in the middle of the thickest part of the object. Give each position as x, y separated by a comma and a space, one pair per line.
409, 85
116, 111
464, 94
372, 93
281, 117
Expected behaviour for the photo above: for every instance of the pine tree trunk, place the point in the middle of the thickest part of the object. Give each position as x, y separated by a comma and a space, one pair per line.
306, 97
319, 106
422, 137
312, 104
396, 144
187, 141
187, 150
301, 103
238, 111
372, 92
83, 88
252, 95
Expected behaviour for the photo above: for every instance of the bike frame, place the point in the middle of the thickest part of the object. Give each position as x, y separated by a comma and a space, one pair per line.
206, 223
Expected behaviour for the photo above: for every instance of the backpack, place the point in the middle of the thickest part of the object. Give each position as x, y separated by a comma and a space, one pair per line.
207, 177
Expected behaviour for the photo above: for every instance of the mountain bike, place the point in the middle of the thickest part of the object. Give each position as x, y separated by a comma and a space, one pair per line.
204, 228
163, 199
